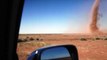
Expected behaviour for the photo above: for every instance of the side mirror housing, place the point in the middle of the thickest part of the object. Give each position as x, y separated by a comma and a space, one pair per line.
58, 52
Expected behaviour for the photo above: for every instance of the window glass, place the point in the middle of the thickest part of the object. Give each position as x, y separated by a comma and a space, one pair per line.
51, 22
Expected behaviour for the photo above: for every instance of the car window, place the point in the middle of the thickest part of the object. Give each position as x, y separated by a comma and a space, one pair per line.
51, 22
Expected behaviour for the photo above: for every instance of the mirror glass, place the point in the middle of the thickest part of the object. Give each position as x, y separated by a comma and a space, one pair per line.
57, 53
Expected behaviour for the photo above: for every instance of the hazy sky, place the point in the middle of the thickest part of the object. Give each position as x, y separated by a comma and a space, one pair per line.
59, 16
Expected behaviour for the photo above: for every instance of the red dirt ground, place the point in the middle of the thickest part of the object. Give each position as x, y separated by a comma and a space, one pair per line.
87, 50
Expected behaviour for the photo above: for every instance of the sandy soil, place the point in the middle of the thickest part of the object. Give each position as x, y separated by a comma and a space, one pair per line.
87, 50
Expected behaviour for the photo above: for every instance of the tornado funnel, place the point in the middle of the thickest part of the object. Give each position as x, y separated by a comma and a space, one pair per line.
94, 17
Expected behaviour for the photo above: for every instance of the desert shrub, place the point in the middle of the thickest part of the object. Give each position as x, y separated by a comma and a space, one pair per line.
27, 37
31, 39
97, 38
37, 39
25, 40
83, 39
19, 40
105, 39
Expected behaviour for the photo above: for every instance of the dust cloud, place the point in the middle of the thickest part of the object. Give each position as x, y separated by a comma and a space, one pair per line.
94, 17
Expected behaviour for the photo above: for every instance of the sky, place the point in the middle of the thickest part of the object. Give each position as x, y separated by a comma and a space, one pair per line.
59, 16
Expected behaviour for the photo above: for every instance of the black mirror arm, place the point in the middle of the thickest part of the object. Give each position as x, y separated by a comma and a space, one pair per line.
72, 51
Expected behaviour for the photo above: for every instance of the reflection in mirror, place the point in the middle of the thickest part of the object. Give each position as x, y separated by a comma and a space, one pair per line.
57, 53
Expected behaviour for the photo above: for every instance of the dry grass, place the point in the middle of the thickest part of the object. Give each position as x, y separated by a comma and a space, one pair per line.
25, 48
91, 49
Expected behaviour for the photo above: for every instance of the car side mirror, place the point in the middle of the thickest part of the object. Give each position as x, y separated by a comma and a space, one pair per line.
58, 52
